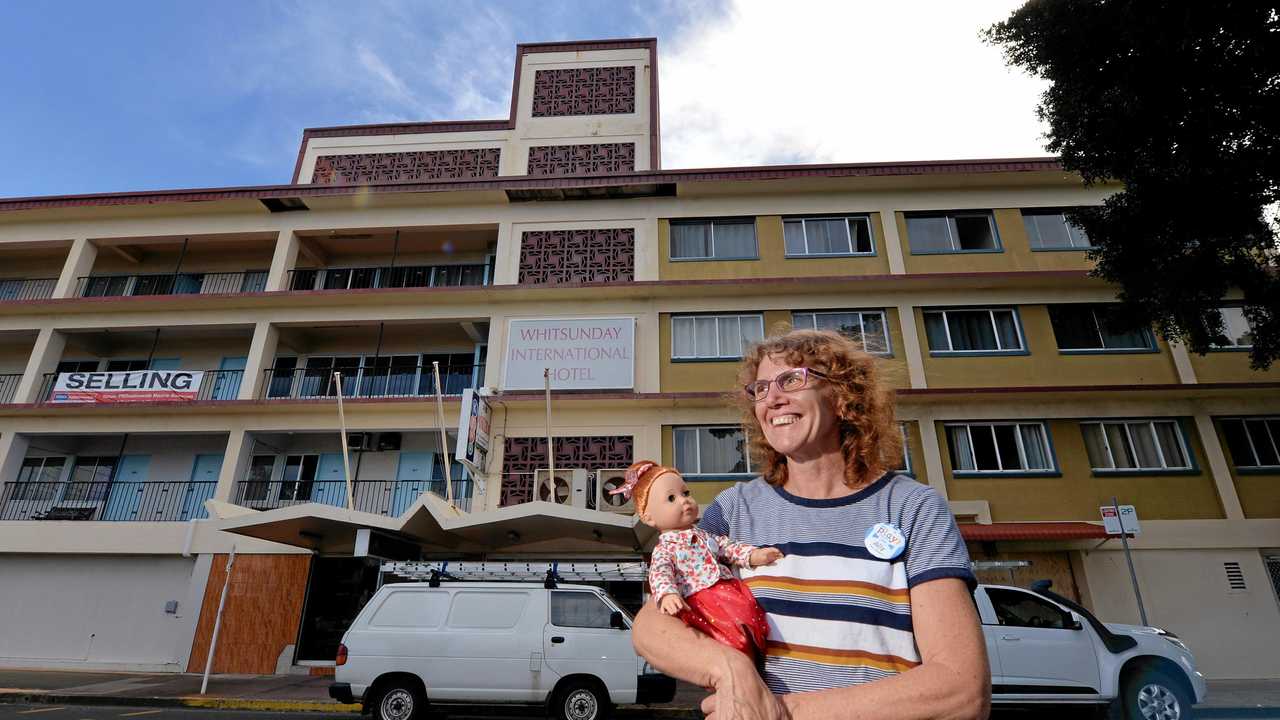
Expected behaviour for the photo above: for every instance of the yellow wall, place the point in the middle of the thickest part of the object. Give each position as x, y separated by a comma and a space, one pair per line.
1046, 365
773, 261
1017, 254
1259, 492
1078, 493
1229, 366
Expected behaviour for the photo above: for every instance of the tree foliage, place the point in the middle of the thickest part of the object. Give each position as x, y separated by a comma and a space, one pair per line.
1178, 102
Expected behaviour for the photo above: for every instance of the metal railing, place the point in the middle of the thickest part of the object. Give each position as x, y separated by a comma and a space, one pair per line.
27, 288
9, 387
408, 276
381, 497
117, 501
365, 382
214, 385
183, 283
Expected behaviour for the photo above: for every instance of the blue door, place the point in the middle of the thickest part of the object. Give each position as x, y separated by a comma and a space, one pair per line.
125, 500
331, 481
227, 384
412, 477
204, 480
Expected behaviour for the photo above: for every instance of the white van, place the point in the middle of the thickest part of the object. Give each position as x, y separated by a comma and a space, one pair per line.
568, 647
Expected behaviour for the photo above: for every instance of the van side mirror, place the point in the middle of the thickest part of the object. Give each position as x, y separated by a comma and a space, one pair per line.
616, 620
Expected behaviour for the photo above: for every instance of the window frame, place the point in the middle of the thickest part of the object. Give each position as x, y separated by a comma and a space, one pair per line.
711, 222
1151, 347
711, 358
561, 593
1272, 436
804, 228
884, 319
990, 309
953, 233
1054, 469
906, 448
1214, 347
701, 476
1191, 468
1072, 230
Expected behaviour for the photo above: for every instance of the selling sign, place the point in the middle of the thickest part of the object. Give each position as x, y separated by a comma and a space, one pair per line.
473, 433
1125, 522
119, 387
580, 353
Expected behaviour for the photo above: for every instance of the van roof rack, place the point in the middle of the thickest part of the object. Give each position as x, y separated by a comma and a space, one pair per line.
549, 573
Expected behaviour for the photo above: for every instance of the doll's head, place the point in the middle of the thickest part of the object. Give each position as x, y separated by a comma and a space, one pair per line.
663, 501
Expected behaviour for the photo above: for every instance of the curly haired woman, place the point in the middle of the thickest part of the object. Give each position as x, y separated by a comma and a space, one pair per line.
870, 612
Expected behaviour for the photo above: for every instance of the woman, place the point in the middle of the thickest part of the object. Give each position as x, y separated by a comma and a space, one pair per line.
870, 611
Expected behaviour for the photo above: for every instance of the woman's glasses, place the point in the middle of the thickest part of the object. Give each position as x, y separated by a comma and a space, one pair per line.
787, 380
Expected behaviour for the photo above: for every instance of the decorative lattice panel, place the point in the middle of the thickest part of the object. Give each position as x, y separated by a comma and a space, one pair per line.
523, 455
553, 257
596, 159
584, 91
390, 167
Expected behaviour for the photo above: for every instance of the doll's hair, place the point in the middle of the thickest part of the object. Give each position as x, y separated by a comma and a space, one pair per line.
639, 479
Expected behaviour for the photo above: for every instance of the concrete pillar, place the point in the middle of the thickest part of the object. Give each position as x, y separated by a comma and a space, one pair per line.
262, 356
282, 261
43, 360
79, 262
1182, 362
13, 450
911, 346
491, 375
932, 450
506, 256
1218, 468
892, 242
647, 251
648, 358
235, 463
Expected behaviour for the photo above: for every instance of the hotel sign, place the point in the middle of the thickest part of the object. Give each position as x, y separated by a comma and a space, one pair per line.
582, 353
123, 387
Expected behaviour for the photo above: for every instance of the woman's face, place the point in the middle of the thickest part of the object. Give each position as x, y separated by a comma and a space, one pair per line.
803, 424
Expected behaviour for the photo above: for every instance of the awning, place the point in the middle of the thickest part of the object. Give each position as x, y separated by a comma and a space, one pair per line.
975, 532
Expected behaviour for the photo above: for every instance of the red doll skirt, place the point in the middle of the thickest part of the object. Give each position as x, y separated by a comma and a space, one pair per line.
728, 612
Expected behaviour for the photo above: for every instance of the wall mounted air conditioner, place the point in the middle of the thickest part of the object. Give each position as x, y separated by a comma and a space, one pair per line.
611, 479
568, 487
358, 441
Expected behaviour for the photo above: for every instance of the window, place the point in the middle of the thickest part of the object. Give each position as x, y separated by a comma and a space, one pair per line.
1050, 230
905, 466
1254, 442
828, 236
867, 327
1135, 445
38, 478
579, 610
299, 477
1094, 327
952, 233
1238, 333
720, 337
999, 447
126, 365
978, 330
257, 481
1015, 608
72, 366
711, 450
714, 240
89, 478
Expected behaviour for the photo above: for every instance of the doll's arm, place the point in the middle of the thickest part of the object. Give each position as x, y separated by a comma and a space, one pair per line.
744, 555
662, 573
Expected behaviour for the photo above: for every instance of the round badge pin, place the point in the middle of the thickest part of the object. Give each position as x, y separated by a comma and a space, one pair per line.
885, 541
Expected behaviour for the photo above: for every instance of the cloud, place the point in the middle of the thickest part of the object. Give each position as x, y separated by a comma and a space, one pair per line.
752, 82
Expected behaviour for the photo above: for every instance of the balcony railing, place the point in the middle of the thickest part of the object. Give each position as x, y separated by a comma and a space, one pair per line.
382, 497
214, 385
105, 501
366, 382
9, 387
27, 288
408, 276
183, 283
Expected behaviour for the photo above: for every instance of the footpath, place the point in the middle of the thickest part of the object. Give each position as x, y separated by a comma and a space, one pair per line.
303, 693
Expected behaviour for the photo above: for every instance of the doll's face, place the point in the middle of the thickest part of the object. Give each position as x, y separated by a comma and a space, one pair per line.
671, 506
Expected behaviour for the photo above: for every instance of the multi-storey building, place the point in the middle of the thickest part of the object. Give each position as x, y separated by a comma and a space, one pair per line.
554, 239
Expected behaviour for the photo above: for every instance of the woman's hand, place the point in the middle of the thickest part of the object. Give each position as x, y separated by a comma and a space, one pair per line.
672, 604
738, 693
765, 556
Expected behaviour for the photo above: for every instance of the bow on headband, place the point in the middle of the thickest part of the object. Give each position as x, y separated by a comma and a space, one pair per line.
632, 477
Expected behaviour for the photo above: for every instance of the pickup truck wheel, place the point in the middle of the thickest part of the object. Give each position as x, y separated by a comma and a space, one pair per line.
1153, 695
399, 701
582, 700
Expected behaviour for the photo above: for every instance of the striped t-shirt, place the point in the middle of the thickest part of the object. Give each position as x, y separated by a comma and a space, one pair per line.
839, 616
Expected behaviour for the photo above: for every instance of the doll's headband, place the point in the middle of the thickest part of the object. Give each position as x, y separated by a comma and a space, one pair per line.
637, 480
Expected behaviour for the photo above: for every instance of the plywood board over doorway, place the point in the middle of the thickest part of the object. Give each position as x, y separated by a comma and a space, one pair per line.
264, 607
1055, 566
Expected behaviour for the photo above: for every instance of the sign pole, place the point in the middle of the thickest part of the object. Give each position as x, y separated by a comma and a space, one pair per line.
1133, 574
444, 438
346, 453
217, 622
551, 454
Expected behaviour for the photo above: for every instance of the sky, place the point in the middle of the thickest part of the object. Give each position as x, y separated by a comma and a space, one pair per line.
141, 94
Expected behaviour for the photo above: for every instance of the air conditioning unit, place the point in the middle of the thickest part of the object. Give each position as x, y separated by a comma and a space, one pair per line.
568, 487
359, 441
388, 441
612, 479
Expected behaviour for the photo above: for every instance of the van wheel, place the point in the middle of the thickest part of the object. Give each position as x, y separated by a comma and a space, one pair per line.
1153, 695
399, 700
582, 700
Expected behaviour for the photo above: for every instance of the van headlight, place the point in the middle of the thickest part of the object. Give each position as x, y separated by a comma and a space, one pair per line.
1173, 639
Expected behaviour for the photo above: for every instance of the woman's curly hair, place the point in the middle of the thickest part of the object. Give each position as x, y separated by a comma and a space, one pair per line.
864, 403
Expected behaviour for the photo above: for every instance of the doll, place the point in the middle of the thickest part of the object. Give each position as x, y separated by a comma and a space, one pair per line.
687, 573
